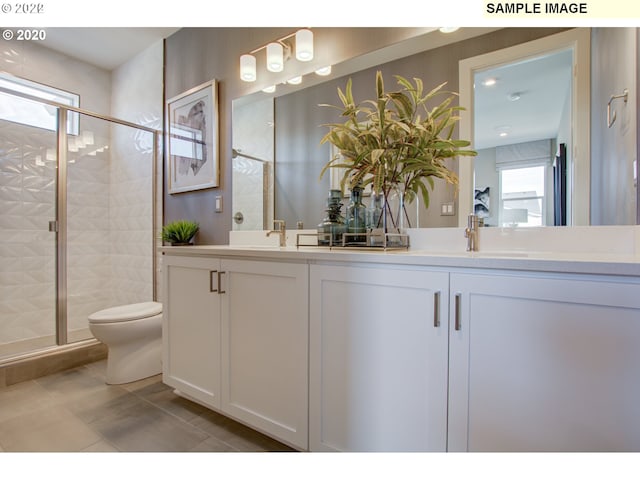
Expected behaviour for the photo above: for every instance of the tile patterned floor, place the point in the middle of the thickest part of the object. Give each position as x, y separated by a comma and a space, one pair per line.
75, 411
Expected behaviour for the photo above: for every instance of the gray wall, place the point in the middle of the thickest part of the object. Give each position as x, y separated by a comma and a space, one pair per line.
194, 56
613, 150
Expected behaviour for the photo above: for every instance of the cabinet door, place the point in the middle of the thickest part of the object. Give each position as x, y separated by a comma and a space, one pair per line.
191, 327
544, 364
378, 359
265, 347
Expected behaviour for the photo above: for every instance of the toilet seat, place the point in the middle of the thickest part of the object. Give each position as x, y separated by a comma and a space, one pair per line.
124, 313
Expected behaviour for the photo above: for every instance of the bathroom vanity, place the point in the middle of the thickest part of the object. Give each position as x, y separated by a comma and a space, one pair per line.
409, 350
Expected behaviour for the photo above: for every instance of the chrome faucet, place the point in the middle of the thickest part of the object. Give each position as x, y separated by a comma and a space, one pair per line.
279, 227
471, 232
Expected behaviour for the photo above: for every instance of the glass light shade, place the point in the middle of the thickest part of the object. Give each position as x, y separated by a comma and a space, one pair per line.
248, 68
324, 71
304, 45
275, 57
270, 89
295, 80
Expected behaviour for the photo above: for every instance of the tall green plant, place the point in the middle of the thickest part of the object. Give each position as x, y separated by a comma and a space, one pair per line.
396, 140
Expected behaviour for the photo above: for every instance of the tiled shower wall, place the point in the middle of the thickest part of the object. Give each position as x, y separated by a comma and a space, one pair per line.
109, 197
136, 97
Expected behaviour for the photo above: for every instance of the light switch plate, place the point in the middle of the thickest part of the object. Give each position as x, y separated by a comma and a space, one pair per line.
218, 203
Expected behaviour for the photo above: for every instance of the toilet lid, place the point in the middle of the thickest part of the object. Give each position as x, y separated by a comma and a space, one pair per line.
123, 313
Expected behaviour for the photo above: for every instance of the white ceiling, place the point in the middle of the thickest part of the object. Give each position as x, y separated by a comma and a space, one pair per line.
543, 85
104, 47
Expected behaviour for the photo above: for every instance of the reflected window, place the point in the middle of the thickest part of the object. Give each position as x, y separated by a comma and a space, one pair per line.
14, 108
522, 197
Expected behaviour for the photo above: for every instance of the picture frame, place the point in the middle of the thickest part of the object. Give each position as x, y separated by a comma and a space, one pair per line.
192, 139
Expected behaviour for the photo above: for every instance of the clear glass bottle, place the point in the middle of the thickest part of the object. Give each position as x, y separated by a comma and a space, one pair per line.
356, 217
333, 225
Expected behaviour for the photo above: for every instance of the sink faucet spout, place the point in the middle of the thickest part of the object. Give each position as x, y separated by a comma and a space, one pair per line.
471, 233
279, 227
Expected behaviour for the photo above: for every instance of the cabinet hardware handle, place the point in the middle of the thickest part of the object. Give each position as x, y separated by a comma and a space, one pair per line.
458, 306
220, 291
436, 309
211, 289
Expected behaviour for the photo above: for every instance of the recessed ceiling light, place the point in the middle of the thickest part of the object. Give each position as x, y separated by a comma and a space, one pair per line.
489, 82
503, 134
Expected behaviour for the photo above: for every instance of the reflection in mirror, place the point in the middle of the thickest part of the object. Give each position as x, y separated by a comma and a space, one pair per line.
522, 116
253, 165
600, 187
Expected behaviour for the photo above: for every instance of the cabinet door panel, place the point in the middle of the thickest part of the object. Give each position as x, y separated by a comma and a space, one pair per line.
265, 347
378, 361
191, 328
545, 364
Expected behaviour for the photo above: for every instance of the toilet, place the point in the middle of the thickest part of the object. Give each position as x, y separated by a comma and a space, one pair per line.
133, 336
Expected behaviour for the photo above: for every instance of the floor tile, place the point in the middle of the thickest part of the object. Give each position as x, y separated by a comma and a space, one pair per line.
236, 434
133, 425
22, 398
100, 446
163, 397
46, 430
212, 444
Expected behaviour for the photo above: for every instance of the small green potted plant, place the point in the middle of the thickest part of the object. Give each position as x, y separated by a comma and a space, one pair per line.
180, 232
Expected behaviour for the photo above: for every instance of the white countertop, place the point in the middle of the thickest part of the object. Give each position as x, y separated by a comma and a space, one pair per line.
561, 262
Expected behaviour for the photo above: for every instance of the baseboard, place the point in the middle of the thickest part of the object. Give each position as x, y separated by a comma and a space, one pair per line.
50, 361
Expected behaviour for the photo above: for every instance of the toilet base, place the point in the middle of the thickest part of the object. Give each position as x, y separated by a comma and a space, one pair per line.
147, 362
134, 348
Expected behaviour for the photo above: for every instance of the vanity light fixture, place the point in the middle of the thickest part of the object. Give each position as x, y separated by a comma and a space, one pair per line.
278, 52
295, 80
324, 71
304, 45
248, 68
275, 57
270, 89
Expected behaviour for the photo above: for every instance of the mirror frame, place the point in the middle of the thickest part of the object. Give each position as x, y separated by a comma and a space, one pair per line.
578, 39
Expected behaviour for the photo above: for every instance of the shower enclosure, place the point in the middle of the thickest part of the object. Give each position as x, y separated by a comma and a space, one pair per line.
77, 202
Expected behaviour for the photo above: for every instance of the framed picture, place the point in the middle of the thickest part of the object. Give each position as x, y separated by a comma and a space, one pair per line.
192, 143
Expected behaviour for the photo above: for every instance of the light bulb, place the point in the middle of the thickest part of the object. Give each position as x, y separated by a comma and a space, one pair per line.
275, 60
248, 68
304, 45
324, 71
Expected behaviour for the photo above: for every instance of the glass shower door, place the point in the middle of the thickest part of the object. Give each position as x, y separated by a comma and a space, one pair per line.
109, 216
27, 247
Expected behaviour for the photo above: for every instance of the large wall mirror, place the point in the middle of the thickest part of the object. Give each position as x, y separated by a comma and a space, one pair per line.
516, 177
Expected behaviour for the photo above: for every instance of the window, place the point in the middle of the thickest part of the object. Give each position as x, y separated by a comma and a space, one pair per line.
522, 196
16, 109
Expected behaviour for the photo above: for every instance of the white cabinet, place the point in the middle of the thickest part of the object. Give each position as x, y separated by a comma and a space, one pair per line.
544, 363
235, 338
191, 327
378, 359
265, 332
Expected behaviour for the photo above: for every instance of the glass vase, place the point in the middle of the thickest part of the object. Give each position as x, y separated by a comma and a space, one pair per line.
356, 217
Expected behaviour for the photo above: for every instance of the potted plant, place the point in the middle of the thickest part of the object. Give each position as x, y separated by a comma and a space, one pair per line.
180, 232
396, 143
